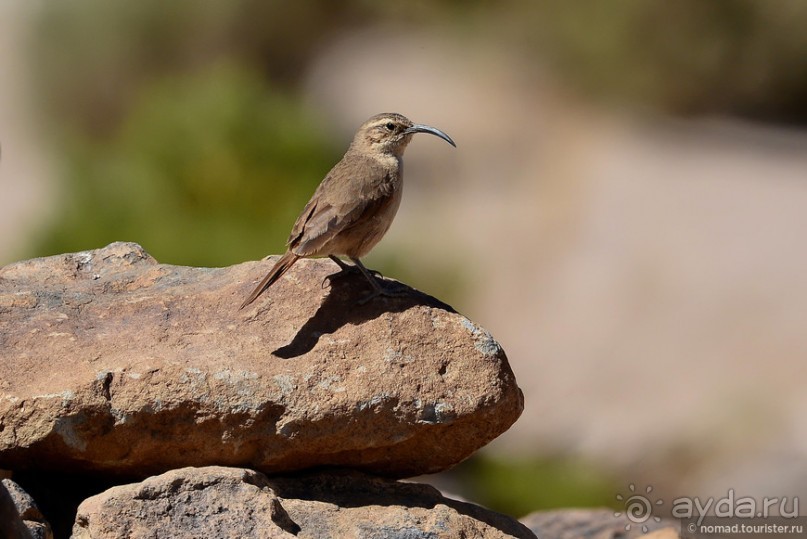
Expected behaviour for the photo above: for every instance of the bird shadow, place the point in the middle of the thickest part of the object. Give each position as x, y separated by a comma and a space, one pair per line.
341, 306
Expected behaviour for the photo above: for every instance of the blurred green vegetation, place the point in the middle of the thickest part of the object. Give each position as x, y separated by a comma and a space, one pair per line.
522, 485
737, 57
204, 169
178, 125
91, 58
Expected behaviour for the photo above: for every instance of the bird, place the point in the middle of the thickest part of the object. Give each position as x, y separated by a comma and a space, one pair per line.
354, 205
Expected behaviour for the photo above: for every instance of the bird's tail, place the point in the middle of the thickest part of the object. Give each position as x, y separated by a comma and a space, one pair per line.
281, 267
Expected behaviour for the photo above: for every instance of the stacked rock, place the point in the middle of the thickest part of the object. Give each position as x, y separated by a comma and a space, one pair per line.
294, 417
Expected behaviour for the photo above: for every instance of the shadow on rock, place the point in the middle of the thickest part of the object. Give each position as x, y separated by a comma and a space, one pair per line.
348, 489
341, 306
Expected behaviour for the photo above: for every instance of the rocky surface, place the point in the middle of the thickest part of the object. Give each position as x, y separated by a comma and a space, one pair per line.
220, 502
596, 524
20, 518
114, 363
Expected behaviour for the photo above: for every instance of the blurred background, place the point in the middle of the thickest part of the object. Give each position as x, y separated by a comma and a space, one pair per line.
626, 210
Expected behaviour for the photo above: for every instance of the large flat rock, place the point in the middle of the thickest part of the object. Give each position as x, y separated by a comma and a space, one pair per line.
112, 362
230, 502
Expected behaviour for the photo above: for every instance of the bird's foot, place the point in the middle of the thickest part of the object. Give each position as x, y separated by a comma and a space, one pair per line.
350, 271
346, 269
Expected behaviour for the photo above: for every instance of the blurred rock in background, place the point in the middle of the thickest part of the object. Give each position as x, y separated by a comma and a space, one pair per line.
625, 211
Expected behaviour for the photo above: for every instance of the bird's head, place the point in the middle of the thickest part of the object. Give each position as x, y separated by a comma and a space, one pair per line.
389, 133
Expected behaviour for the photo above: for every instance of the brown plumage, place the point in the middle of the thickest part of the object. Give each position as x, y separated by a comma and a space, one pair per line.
355, 204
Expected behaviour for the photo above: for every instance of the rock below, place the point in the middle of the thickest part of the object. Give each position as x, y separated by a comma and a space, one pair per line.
20, 518
219, 502
112, 362
597, 524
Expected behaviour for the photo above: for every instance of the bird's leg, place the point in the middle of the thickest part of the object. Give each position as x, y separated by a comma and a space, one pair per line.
378, 290
345, 269
353, 269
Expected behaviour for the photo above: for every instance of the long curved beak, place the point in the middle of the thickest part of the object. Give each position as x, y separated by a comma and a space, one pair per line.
420, 128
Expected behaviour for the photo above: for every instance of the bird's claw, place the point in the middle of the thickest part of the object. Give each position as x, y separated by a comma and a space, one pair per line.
348, 270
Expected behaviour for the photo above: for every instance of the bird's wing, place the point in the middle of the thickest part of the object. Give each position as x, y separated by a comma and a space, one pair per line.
338, 203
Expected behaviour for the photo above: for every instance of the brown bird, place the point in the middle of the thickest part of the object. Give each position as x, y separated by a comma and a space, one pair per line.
353, 207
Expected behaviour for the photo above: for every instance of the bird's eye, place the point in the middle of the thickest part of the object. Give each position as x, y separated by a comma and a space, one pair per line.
390, 126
